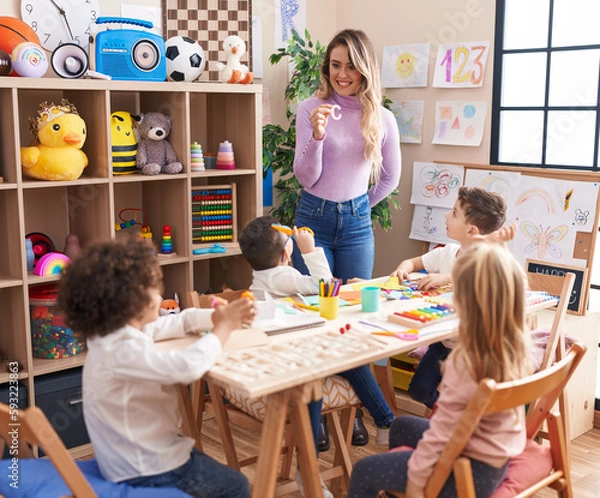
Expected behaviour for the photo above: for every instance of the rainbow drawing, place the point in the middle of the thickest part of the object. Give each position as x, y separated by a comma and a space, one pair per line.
529, 194
51, 263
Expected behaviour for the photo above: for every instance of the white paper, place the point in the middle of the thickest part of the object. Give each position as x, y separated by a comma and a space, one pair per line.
461, 65
499, 182
405, 65
436, 184
409, 117
429, 224
289, 15
459, 123
257, 49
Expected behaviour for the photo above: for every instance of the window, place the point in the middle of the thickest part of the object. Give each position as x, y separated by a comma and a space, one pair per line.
546, 109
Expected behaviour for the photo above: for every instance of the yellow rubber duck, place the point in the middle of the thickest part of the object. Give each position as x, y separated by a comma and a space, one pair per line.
55, 153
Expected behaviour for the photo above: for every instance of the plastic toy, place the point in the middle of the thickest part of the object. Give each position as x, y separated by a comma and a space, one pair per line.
40, 244
196, 157
55, 153
167, 242
29, 60
72, 247
124, 143
234, 71
185, 59
145, 231
155, 154
51, 264
225, 159
214, 248
288, 231
14, 31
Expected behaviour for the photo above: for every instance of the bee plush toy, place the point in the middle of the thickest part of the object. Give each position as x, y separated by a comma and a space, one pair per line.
124, 143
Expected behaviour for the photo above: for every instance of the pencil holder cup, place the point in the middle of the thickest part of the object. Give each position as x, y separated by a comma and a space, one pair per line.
328, 307
369, 298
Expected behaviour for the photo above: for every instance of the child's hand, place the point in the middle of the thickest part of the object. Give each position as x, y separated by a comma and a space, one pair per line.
227, 318
435, 280
500, 236
305, 240
414, 491
354, 280
402, 272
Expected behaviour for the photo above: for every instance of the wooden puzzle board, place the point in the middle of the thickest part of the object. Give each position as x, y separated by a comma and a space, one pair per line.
209, 22
272, 368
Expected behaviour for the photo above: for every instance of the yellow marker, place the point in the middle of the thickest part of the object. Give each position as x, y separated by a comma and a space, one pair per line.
288, 231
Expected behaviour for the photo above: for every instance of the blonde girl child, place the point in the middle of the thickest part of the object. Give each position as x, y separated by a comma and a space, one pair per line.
492, 343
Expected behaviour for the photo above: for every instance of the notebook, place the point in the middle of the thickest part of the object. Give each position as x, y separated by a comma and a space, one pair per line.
285, 322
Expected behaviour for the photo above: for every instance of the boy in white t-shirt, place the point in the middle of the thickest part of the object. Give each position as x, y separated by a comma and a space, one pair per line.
476, 212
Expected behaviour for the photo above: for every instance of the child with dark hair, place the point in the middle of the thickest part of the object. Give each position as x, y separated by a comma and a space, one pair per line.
269, 253
112, 295
476, 213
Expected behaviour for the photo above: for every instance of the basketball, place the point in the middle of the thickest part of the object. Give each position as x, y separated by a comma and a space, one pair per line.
14, 31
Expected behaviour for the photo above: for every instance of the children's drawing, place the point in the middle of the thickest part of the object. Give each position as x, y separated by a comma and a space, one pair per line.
581, 205
499, 182
290, 15
459, 123
405, 65
436, 184
461, 65
409, 117
429, 224
544, 240
581, 217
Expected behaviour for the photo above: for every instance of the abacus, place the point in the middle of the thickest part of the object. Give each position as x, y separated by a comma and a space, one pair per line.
214, 214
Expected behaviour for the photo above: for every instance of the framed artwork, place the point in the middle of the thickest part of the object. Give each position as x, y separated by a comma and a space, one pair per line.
209, 22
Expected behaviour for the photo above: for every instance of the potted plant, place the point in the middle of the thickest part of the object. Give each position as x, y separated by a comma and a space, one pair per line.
279, 143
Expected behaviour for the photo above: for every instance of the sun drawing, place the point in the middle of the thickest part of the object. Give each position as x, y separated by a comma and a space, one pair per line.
405, 65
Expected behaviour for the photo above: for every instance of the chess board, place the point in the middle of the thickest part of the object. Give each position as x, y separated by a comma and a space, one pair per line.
209, 22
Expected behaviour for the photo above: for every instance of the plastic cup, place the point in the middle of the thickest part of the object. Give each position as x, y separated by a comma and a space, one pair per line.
210, 161
328, 307
369, 297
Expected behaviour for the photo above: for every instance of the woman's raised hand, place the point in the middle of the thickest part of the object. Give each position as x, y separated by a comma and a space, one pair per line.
319, 117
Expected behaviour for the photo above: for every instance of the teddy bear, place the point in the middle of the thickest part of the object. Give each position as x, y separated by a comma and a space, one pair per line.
234, 71
155, 154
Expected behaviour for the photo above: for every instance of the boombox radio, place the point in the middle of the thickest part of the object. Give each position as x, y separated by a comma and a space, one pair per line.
130, 54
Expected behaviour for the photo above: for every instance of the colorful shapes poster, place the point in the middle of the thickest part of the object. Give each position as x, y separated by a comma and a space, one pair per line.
459, 123
409, 117
405, 65
436, 184
461, 65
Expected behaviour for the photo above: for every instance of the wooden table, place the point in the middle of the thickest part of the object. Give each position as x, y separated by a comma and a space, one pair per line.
290, 390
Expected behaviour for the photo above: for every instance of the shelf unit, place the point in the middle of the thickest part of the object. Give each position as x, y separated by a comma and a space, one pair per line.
208, 113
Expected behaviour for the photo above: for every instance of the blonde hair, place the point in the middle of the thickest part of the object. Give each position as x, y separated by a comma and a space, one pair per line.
363, 58
489, 293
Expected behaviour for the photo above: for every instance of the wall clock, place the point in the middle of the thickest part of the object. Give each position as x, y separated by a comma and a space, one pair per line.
60, 21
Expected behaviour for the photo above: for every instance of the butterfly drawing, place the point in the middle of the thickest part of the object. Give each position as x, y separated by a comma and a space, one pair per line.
544, 240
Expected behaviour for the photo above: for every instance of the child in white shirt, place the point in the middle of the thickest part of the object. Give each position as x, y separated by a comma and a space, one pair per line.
111, 295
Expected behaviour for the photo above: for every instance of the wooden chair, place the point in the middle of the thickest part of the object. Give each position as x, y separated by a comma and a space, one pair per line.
540, 390
34, 429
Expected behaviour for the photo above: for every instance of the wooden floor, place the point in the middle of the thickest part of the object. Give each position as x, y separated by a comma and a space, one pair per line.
585, 452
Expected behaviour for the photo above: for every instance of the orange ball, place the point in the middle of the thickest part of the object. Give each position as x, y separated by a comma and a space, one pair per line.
14, 31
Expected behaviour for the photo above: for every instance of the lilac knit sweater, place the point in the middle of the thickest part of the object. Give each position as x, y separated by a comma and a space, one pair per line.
335, 168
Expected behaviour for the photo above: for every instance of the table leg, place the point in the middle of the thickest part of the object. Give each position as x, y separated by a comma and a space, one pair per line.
221, 415
271, 441
188, 420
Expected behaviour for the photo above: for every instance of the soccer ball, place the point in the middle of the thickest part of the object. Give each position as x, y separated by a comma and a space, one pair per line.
185, 59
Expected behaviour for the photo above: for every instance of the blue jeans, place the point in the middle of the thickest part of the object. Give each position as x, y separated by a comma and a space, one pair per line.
428, 375
389, 470
369, 393
200, 476
343, 230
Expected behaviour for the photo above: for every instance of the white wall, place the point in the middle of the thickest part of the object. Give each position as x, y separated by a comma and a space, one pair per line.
387, 22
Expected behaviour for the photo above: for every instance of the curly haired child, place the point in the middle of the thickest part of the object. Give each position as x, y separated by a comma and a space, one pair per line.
112, 295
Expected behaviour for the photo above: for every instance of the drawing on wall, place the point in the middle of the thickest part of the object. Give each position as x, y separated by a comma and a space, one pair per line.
429, 224
460, 65
436, 184
409, 117
499, 182
405, 65
543, 240
580, 205
459, 123
290, 15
